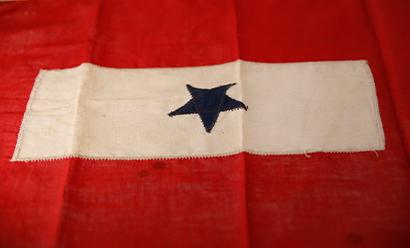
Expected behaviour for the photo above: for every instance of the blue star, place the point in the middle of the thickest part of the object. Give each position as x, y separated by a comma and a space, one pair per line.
208, 103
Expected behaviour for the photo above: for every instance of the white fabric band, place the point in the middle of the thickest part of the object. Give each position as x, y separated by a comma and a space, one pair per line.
105, 113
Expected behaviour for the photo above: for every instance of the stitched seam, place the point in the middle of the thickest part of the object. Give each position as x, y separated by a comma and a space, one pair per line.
149, 157
375, 108
27, 114
165, 157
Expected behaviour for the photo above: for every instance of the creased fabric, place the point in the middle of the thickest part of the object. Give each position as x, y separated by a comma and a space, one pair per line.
313, 200
104, 113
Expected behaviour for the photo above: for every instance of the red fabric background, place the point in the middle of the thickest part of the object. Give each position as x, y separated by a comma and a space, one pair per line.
326, 200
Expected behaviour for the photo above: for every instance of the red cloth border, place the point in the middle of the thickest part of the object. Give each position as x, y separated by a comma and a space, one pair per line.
327, 200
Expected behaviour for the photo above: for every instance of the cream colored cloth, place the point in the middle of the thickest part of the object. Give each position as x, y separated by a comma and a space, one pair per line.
104, 113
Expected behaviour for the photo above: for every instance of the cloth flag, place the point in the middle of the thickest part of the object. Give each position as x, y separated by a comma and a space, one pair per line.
103, 113
204, 123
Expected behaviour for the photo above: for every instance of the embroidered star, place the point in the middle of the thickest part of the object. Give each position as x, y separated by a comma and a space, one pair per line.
208, 103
